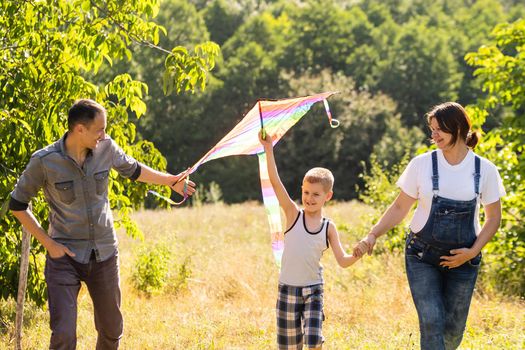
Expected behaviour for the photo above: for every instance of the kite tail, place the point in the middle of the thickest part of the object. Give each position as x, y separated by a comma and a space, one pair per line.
334, 123
185, 196
272, 210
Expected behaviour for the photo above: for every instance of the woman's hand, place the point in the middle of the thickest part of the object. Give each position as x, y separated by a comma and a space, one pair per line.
366, 245
458, 257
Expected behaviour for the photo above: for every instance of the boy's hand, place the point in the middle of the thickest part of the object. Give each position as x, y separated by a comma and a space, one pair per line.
360, 249
365, 245
267, 142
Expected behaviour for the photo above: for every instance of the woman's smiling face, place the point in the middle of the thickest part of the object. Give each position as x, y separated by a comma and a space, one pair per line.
441, 138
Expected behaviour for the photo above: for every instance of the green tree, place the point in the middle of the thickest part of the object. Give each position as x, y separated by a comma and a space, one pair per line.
364, 120
222, 19
48, 50
180, 113
418, 70
501, 68
323, 35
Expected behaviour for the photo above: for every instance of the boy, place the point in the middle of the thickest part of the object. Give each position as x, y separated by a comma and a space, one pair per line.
308, 235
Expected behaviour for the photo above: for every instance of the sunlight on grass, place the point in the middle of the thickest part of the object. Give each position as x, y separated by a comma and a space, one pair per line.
230, 298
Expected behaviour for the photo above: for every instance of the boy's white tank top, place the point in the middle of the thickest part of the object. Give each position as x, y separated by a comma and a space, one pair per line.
301, 261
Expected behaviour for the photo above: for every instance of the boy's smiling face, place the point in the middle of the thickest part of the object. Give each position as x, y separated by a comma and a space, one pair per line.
314, 196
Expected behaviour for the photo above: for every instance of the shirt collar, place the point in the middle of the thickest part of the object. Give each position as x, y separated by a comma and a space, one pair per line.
62, 144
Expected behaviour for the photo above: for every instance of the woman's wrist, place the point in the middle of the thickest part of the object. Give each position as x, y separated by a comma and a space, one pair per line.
373, 235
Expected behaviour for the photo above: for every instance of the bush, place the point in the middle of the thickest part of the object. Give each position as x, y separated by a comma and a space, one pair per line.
151, 270
157, 271
379, 192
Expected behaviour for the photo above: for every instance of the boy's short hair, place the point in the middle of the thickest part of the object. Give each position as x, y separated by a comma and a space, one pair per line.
322, 176
83, 112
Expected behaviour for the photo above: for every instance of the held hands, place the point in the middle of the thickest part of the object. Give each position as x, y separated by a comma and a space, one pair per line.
458, 257
180, 184
57, 250
364, 246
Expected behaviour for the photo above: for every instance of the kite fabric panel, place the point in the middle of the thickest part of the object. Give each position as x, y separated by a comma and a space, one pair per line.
275, 117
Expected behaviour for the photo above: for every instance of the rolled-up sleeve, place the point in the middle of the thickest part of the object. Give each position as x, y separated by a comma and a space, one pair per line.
125, 165
28, 185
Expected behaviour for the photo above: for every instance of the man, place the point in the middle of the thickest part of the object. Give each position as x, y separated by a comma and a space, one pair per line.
81, 244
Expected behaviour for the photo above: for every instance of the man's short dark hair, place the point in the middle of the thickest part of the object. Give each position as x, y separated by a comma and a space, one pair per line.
83, 112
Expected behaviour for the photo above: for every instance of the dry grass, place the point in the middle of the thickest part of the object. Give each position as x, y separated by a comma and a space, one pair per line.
229, 302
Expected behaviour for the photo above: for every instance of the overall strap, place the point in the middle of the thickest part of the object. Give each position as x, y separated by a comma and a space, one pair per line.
435, 176
477, 174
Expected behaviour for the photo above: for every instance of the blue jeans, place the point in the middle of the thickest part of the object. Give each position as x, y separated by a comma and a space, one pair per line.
63, 277
442, 296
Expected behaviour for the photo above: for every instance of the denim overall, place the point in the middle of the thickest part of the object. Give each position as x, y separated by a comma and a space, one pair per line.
442, 295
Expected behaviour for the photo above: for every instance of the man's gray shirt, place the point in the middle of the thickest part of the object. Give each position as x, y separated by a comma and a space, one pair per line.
79, 213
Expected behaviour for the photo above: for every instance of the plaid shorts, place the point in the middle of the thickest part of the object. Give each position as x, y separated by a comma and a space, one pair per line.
299, 316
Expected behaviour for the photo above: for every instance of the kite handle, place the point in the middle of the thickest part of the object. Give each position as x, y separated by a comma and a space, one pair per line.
184, 189
263, 132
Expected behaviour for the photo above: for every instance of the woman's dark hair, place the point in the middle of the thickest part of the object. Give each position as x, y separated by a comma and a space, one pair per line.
83, 112
453, 119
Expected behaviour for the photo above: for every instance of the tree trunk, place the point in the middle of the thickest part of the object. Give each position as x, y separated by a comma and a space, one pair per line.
22, 284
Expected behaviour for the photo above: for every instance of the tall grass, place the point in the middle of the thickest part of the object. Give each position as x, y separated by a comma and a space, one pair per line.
230, 296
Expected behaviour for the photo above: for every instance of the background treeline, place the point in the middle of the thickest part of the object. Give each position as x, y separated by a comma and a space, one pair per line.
392, 60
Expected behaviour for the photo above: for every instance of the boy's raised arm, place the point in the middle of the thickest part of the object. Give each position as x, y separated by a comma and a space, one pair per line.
288, 205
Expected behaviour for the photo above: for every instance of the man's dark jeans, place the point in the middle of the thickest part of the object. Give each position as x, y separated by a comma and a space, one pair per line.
63, 277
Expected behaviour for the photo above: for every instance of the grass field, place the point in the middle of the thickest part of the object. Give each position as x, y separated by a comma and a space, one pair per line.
230, 297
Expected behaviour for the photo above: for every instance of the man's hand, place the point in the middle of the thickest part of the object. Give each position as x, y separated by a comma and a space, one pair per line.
180, 184
458, 257
57, 250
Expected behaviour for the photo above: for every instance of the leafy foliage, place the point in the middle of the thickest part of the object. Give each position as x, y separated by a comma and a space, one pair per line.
501, 69
407, 55
151, 270
379, 192
367, 121
49, 49
156, 271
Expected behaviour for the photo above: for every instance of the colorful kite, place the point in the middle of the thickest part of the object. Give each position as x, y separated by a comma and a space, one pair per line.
274, 117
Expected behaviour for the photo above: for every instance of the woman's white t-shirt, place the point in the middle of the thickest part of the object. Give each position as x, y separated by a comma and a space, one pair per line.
455, 182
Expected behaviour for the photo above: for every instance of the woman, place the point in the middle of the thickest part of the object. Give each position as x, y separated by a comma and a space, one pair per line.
443, 249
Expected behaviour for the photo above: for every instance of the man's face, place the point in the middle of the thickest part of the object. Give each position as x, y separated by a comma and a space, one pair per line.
94, 132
